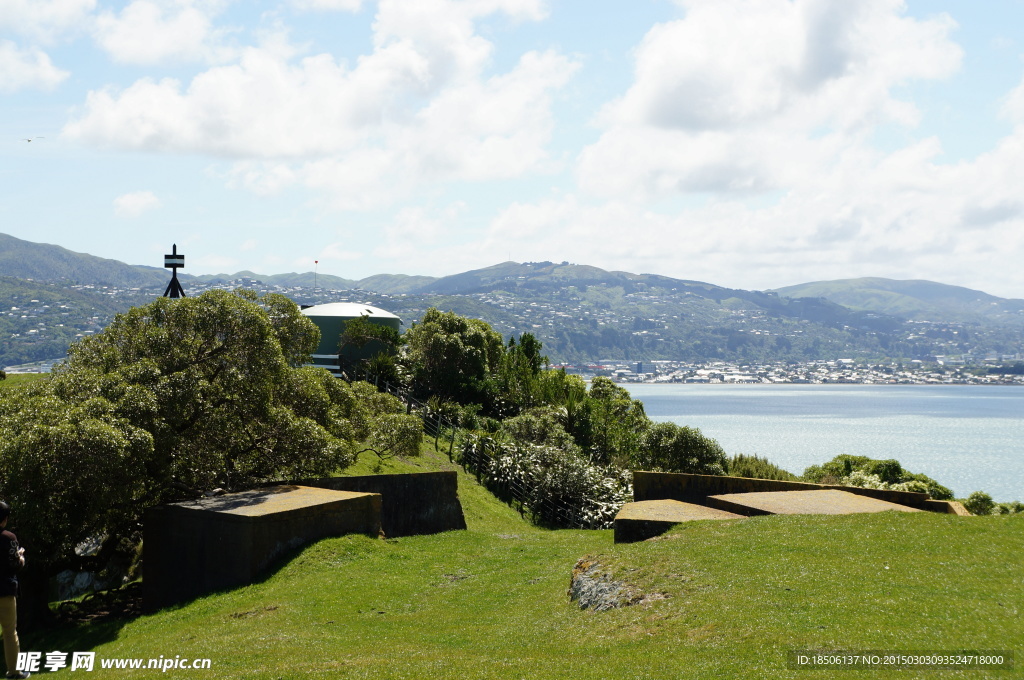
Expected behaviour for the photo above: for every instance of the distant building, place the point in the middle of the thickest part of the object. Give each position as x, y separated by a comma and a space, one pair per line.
331, 319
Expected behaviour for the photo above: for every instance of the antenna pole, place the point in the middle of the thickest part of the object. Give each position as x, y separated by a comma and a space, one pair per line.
174, 262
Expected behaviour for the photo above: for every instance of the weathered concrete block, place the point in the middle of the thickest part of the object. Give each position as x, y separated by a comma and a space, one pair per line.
816, 502
412, 503
947, 507
697, 488
645, 519
197, 547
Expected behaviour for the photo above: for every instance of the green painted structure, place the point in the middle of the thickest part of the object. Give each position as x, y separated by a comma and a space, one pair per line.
331, 319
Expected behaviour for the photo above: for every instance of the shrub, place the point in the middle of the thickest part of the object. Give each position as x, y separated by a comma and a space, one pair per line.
742, 465
396, 434
866, 472
931, 487
671, 448
979, 503
1011, 508
555, 487
539, 426
889, 471
837, 468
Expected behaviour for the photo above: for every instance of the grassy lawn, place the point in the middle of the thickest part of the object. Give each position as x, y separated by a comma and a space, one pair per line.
18, 379
491, 602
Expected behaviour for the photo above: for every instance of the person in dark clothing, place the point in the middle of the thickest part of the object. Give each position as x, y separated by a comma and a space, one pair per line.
12, 559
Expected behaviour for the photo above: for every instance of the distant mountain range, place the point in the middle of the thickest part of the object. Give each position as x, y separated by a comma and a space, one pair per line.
45, 262
913, 300
904, 300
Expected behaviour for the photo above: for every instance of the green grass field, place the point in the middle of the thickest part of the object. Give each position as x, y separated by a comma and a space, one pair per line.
491, 602
19, 379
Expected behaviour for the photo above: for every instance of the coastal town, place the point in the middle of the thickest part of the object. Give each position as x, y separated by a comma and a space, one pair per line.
844, 371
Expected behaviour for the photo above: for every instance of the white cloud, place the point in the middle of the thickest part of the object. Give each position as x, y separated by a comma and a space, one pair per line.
44, 20
413, 231
220, 263
135, 204
333, 252
748, 95
261, 178
1012, 107
321, 5
156, 31
898, 215
23, 69
420, 109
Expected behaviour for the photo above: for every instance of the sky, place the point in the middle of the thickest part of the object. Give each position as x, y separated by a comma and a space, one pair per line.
747, 143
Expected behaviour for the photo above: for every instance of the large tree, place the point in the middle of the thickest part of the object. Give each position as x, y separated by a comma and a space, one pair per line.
452, 356
173, 399
617, 423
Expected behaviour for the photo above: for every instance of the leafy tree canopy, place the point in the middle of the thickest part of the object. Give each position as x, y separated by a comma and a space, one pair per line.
174, 398
669, 447
360, 331
453, 356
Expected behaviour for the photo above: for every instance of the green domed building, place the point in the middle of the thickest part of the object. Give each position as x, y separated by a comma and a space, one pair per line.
331, 319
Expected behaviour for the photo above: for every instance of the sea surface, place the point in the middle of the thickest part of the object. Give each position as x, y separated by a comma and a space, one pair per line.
966, 437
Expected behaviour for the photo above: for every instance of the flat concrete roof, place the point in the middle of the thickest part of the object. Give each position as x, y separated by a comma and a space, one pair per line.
347, 310
671, 511
267, 501
821, 502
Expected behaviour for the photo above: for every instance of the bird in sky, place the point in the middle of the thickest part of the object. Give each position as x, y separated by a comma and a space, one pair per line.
29, 139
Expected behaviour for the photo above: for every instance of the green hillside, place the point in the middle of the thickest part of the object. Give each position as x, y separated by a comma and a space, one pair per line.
291, 279
39, 319
725, 599
916, 300
46, 262
395, 283
581, 313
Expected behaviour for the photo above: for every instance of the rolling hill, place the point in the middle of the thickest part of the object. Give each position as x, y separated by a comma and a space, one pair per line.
914, 300
46, 262
579, 312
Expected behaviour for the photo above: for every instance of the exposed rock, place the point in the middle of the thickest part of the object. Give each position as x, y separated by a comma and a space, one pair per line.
72, 584
592, 587
91, 546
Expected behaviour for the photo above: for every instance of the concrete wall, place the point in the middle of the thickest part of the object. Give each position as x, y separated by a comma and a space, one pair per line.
649, 486
416, 503
197, 547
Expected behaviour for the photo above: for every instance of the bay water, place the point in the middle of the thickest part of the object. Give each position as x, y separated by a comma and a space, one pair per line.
966, 437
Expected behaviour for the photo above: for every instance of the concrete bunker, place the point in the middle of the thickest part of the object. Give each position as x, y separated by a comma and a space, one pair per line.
663, 499
197, 547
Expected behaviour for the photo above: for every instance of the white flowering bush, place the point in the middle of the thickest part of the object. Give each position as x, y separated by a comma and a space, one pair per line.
866, 480
555, 487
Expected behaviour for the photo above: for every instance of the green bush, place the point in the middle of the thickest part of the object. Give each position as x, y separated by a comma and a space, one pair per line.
889, 471
862, 471
539, 426
396, 434
837, 468
555, 487
1011, 508
979, 503
671, 448
931, 487
742, 465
